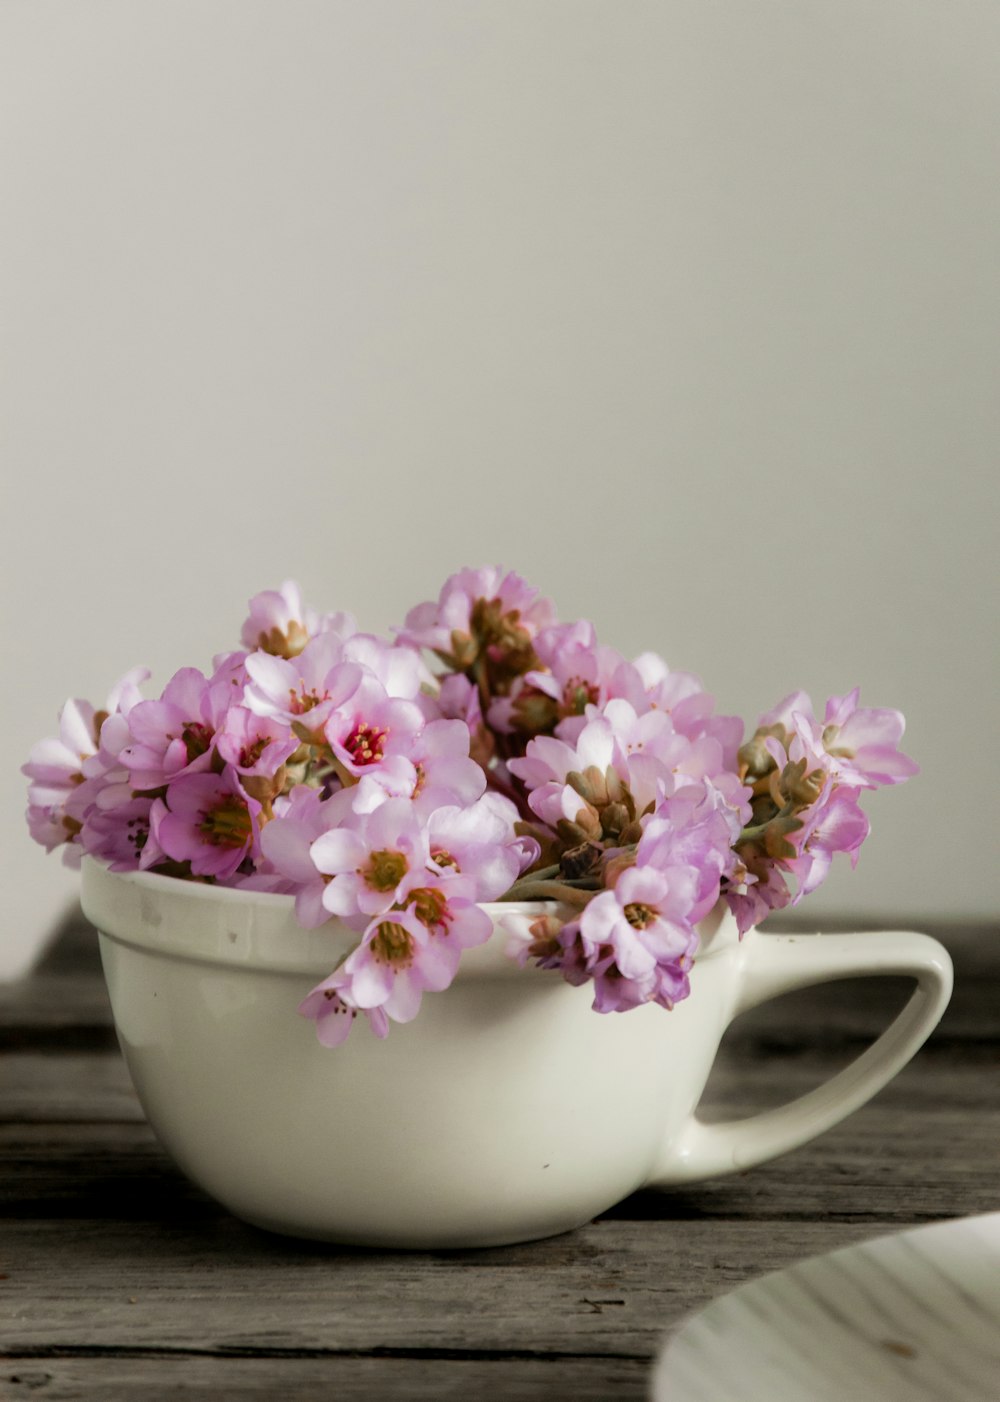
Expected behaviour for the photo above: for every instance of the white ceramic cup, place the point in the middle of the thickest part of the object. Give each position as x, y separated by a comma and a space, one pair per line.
507, 1110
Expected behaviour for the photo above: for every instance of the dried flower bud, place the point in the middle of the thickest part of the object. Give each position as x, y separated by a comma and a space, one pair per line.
755, 760
802, 789
544, 937
581, 861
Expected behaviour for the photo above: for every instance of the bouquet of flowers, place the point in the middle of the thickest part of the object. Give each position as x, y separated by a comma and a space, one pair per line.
488, 753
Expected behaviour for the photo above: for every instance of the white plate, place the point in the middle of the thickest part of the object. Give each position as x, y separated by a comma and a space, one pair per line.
910, 1316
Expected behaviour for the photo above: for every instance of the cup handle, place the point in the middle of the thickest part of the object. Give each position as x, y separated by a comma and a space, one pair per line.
775, 964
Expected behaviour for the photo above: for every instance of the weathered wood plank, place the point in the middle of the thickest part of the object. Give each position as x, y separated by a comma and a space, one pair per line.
290, 1379
91, 1171
64, 992
610, 1289
119, 1280
40, 1087
57, 1010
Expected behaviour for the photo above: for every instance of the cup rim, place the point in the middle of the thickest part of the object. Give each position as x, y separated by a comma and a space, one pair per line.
258, 929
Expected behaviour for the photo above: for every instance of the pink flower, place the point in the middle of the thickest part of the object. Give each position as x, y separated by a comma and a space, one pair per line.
636, 942
459, 699
302, 693
864, 743
254, 745
857, 747
663, 688
368, 726
548, 761
515, 606
753, 898
618, 756
834, 824
329, 764
334, 1017
434, 770
174, 735
209, 821
69, 772
806, 780
122, 836
286, 842
373, 861
411, 949
49, 826
577, 673
644, 920
279, 622
445, 904
639, 929
690, 708
694, 828
478, 842
395, 963
445, 772
57, 766
401, 670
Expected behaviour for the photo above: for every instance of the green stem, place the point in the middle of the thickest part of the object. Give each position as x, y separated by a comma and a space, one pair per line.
751, 833
543, 874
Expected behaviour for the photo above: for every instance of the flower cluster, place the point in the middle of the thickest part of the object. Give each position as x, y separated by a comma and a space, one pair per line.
490, 752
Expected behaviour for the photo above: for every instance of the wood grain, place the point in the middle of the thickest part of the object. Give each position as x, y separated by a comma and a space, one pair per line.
121, 1280
287, 1378
609, 1289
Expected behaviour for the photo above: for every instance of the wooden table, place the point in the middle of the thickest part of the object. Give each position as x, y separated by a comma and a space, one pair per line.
120, 1281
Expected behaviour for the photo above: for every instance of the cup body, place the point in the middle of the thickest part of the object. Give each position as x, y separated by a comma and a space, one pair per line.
507, 1110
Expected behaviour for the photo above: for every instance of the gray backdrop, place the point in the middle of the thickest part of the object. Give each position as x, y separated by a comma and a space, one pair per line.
687, 310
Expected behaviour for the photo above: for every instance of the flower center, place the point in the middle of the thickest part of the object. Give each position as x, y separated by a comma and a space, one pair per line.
545, 938
288, 643
638, 915
392, 944
803, 789
496, 628
536, 712
430, 907
577, 696
339, 1006
227, 824
137, 833
445, 859
299, 702
250, 754
385, 870
366, 743
197, 739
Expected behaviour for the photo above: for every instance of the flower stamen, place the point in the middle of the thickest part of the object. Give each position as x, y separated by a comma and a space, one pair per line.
639, 916
392, 944
366, 743
227, 824
430, 906
385, 870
